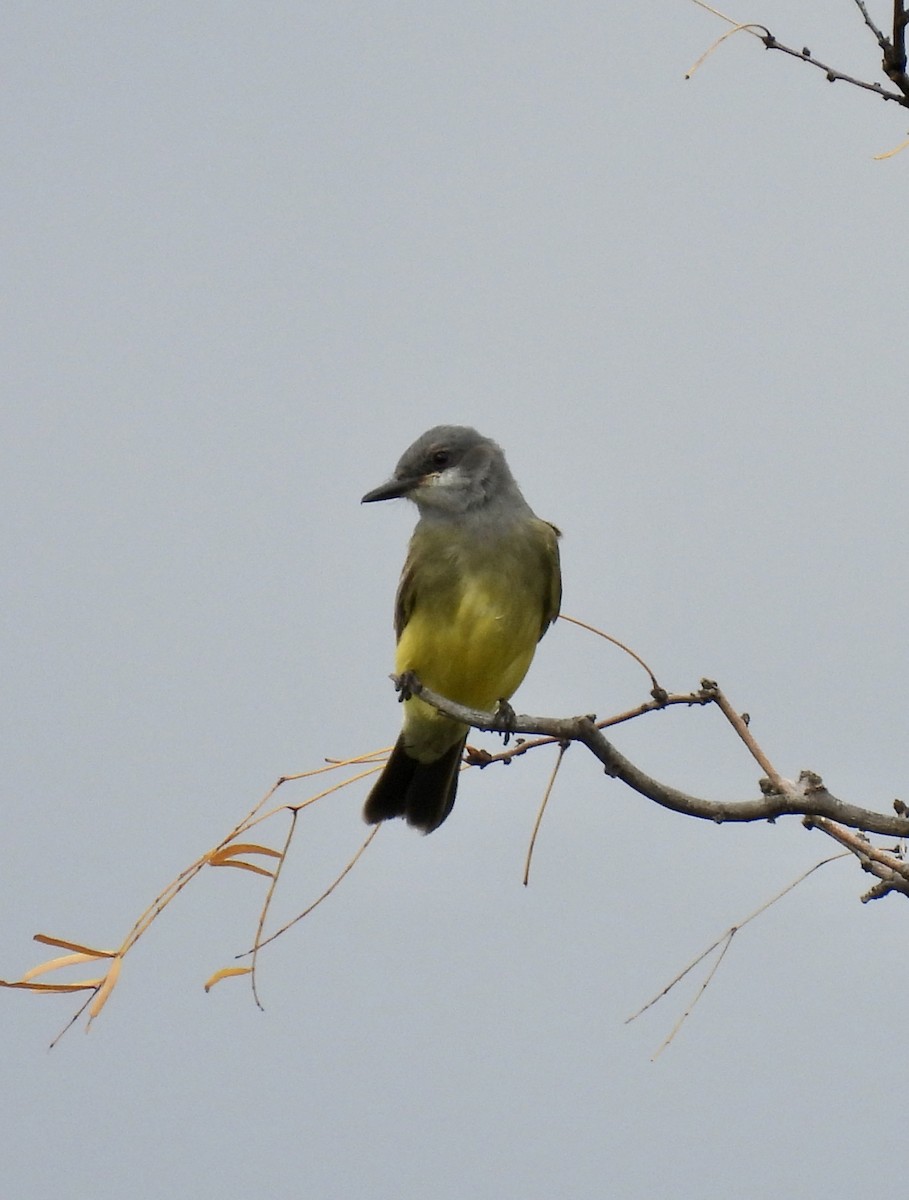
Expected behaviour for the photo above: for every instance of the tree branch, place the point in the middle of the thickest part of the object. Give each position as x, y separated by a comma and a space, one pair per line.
892, 872
833, 75
893, 50
806, 798
863, 9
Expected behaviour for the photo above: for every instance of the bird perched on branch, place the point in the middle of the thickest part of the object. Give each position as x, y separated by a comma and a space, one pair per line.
480, 587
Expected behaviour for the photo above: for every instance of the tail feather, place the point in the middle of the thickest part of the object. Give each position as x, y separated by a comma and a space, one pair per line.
423, 793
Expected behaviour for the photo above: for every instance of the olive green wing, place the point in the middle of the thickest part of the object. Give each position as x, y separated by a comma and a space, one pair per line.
551, 572
405, 598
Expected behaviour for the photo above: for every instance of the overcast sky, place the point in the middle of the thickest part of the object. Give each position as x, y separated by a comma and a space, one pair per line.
251, 251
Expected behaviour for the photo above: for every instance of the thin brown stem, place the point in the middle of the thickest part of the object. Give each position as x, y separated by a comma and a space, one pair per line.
740, 725
315, 904
615, 641
536, 825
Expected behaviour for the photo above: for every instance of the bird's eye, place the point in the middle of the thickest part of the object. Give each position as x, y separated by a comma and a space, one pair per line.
440, 458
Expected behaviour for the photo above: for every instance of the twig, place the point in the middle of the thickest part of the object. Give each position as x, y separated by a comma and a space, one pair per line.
725, 939
615, 641
705, 983
253, 977
536, 825
740, 725
863, 9
483, 758
315, 904
749, 27
831, 73
893, 48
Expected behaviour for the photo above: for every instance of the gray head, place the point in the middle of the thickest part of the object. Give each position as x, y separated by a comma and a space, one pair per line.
451, 469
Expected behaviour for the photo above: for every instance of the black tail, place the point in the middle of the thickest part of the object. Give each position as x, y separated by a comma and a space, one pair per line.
424, 793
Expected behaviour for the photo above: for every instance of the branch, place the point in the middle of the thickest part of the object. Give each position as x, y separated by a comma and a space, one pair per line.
806, 798
892, 871
833, 75
863, 9
893, 50
897, 55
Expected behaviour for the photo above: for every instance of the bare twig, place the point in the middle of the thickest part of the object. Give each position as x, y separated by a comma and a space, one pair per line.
615, 641
315, 904
724, 940
740, 725
536, 825
863, 9
266, 905
705, 983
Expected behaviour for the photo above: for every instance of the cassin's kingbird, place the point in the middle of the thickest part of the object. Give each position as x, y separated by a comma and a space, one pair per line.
480, 587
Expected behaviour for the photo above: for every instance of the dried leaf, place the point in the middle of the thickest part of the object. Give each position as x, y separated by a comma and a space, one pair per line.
54, 964
245, 848
47, 940
224, 856
83, 985
106, 988
226, 973
246, 867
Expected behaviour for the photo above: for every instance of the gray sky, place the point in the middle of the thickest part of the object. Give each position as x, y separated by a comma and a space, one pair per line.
252, 251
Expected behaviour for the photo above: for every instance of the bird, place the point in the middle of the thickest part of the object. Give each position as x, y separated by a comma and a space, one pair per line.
480, 587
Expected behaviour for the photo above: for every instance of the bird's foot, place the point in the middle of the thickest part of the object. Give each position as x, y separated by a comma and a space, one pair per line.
504, 715
405, 684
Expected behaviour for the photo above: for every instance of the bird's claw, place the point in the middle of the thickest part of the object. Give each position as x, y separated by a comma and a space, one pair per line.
504, 715
405, 685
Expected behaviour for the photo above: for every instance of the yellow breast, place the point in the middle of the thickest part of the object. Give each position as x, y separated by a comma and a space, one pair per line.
473, 642
471, 608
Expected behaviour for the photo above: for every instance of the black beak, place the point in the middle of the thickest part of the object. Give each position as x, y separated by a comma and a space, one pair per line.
390, 490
